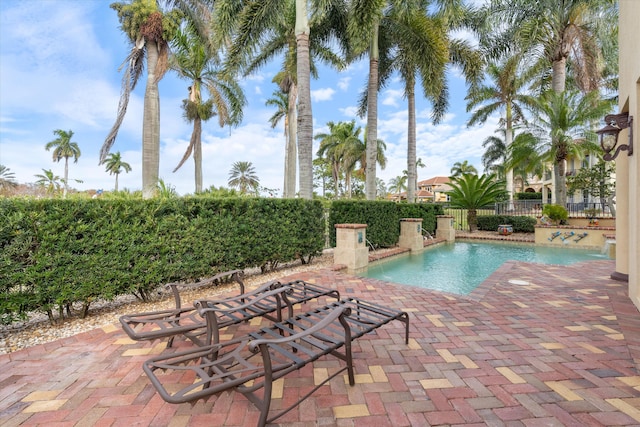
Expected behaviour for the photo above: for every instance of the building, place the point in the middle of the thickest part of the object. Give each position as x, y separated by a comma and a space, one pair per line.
628, 165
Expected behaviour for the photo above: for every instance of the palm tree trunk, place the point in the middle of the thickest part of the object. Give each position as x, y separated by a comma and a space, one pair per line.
411, 145
561, 182
305, 117
116, 189
559, 76
151, 125
372, 118
197, 152
508, 139
66, 177
291, 153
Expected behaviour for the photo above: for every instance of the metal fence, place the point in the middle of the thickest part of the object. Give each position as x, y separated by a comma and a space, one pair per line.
532, 208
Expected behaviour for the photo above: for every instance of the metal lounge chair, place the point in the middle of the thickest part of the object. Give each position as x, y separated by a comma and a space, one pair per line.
251, 363
190, 323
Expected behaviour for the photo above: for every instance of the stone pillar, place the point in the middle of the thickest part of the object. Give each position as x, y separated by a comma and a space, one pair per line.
351, 246
445, 229
411, 234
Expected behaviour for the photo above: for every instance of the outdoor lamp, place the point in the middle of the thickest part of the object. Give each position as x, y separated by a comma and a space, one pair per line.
609, 135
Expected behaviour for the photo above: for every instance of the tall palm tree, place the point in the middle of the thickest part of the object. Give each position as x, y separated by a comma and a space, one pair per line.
472, 192
562, 127
504, 94
334, 148
404, 38
280, 100
63, 149
7, 178
48, 180
271, 26
559, 33
243, 177
149, 30
115, 166
194, 60
463, 168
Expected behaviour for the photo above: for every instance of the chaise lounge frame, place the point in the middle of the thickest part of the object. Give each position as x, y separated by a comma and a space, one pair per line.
251, 363
188, 321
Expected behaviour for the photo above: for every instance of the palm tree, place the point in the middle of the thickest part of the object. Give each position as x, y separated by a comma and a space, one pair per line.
503, 94
270, 27
463, 168
281, 100
243, 177
337, 148
7, 178
194, 60
560, 33
561, 126
115, 166
398, 184
149, 31
401, 36
48, 180
471, 192
63, 149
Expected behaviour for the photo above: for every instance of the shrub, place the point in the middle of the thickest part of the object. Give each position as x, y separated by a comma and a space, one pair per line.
556, 213
528, 196
521, 224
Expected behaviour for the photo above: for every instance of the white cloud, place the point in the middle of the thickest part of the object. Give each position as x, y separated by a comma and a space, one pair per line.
325, 94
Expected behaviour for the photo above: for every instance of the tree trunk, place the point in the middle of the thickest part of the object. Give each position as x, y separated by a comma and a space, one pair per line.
412, 173
561, 183
559, 76
305, 117
66, 177
151, 126
508, 139
116, 189
291, 153
472, 219
372, 119
197, 152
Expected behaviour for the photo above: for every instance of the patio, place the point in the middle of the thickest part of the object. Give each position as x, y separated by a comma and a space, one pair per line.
562, 349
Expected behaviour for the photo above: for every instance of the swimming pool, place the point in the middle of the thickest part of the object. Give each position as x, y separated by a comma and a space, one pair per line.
460, 267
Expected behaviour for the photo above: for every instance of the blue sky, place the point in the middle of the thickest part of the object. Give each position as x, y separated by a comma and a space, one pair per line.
59, 63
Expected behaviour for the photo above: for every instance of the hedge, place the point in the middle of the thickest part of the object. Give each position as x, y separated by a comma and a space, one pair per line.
57, 254
382, 218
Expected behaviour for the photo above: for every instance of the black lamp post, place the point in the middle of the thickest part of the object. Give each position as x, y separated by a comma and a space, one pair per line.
609, 135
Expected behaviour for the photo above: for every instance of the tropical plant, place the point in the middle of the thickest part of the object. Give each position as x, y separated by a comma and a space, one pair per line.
559, 34
7, 178
504, 94
273, 27
49, 181
596, 181
165, 190
561, 125
463, 168
398, 184
401, 36
194, 60
555, 213
149, 30
63, 148
281, 100
243, 177
472, 192
115, 166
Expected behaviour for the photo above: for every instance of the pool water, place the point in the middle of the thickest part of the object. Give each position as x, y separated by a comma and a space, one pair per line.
460, 267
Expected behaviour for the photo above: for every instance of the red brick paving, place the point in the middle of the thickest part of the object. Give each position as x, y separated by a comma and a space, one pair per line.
562, 350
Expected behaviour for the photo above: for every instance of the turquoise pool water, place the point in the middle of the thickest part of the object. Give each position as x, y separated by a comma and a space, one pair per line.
460, 267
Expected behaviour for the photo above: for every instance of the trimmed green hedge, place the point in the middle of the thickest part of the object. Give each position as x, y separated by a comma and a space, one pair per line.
55, 254
528, 196
382, 218
521, 224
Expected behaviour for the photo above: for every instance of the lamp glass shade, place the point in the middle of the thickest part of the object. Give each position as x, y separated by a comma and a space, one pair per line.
609, 141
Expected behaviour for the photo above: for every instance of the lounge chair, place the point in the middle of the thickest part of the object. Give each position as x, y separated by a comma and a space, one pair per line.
187, 321
250, 363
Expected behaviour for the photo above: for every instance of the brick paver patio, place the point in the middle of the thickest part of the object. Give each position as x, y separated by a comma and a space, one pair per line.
561, 350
